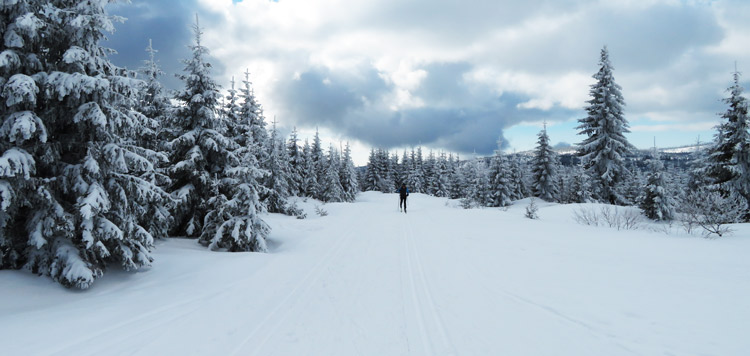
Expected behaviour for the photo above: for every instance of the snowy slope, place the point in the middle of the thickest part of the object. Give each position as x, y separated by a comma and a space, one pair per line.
368, 280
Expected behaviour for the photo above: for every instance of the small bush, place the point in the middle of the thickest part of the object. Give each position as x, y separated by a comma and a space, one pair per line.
613, 217
320, 211
531, 209
710, 211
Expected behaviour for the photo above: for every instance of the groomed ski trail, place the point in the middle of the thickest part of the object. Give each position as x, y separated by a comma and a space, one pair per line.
429, 321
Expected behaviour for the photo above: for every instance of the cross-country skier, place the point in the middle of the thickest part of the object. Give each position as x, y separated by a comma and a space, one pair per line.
403, 192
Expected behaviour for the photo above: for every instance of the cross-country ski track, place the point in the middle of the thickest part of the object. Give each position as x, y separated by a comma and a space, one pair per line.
370, 280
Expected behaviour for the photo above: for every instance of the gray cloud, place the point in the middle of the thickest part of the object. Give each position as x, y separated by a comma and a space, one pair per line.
462, 117
322, 97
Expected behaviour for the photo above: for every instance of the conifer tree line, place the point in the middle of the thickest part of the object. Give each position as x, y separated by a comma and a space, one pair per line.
97, 161
607, 167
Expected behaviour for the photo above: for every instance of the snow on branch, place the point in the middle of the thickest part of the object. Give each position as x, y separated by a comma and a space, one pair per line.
91, 112
20, 89
60, 85
21, 126
16, 162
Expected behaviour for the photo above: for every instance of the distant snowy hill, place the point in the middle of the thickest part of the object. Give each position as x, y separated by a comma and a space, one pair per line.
368, 280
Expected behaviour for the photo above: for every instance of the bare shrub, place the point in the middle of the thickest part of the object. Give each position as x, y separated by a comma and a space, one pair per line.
609, 216
586, 216
710, 211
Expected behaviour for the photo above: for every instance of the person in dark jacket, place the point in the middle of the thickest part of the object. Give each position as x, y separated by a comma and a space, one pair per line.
403, 192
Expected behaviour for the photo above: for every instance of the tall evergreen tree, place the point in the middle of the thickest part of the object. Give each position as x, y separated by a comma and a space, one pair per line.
544, 169
319, 162
403, 169
233, 219
153, 101
603, 151
457, 181
348, 176
500, 193
309, 179
74, 179
155, 105
442, 181
331, 185
277, 181
201, 151
397, 171
296, 164
430, 174
728, 161
656, 202
372, 176
415, 178
580, 186
252, 112
519, 188
477, 183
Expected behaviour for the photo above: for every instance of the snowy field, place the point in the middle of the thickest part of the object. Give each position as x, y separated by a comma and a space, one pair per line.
368, 280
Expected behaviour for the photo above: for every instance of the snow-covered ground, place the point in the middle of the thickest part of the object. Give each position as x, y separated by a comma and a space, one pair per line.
368, 280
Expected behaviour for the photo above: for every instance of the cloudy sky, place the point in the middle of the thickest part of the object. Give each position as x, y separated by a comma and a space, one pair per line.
457, 75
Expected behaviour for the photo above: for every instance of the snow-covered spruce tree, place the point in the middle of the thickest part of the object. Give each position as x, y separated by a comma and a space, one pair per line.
252, 112
544, 169
309, 179
477, 184
500, 193
430, 174
82, 133
602, 151
442, 172
519, 188
332, 189
23, 132
580, 186
402, 173
348, 176
233, 219
631, 188
728, 161
387, 171
319, 163
656, 201
419, 164
397, 171
414, 178
277, 181
379, 173
457, 179
296, 164
200, 152
372, 176
154, 104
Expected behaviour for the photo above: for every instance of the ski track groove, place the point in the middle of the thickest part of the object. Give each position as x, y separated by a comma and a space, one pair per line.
415, 264
294, 297
421, 322
404, 286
